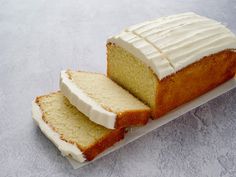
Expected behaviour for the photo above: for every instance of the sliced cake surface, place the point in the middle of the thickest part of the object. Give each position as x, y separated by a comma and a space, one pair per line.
102, 100
171, 60
70, 130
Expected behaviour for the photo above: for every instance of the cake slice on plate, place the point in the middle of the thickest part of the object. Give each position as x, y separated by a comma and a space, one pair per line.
102, 100
171, 60
70, 130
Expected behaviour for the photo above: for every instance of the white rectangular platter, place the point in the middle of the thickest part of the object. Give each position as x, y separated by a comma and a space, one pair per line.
135, 133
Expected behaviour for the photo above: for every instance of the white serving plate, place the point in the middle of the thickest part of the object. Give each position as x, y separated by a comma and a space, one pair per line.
135, 133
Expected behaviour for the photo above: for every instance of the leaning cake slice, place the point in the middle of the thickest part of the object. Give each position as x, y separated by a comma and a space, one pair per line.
102, 100
70, 130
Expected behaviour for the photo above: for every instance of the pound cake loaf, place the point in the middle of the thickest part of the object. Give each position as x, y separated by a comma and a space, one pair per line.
172, 60
102, 100
70, 130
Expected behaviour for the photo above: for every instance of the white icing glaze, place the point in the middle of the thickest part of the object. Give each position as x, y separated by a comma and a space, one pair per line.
85, 104
171, 43
65, 148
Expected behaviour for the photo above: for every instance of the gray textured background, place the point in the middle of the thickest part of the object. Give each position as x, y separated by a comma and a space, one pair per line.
38, 38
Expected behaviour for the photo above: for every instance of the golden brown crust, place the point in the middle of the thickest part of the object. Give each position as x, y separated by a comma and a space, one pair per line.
37, 100
193, 81
68, 72
115, 136
132, 118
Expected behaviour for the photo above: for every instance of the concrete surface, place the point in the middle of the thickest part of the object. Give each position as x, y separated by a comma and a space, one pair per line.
40, 38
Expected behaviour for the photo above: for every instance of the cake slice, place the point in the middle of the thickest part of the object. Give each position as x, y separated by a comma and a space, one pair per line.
70, 130
171, 60
102, 100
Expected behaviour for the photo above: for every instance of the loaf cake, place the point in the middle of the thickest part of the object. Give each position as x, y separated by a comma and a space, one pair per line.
70, 130
102, 100
172, 60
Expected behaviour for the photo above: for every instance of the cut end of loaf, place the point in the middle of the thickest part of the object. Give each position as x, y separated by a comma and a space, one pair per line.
131, 74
